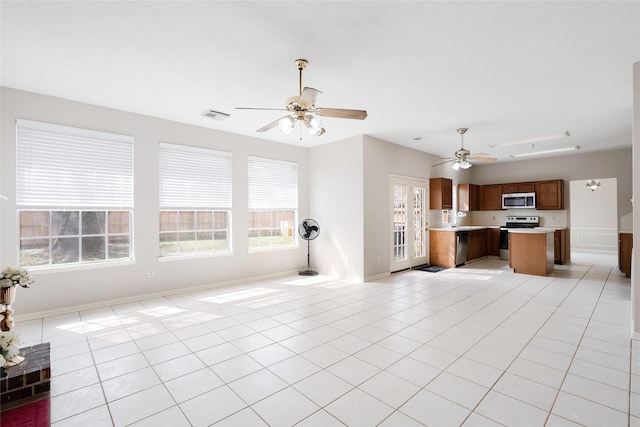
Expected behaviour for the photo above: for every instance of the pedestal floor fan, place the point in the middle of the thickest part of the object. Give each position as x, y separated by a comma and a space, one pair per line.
308, 230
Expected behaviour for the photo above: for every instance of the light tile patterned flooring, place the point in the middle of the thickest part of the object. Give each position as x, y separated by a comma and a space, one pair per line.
472, 346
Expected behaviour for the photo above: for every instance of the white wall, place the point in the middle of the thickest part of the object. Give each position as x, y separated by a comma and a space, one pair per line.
594, 217
72, 286
601, 164
336, 202
382, 159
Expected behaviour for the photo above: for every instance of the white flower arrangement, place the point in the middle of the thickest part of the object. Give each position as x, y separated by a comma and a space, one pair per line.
9, 351
13, 276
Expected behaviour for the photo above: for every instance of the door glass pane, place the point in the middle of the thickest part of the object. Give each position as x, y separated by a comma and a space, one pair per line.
419, 219
399, 221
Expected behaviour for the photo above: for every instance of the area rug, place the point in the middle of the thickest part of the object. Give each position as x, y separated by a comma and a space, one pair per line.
34, 414
430, 268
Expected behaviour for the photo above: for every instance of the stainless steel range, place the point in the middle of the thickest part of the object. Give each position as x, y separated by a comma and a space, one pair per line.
514, 222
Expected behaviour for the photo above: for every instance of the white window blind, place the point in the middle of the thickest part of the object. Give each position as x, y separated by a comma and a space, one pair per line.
273, 184
65, 167
194, 178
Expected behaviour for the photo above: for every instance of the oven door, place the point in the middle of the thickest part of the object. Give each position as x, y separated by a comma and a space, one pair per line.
504, 244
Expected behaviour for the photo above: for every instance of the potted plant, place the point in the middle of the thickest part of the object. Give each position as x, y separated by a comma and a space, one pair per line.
10, 279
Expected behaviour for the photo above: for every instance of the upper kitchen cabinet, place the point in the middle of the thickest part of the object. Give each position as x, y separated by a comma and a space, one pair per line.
491, 199
440, 193
468, 197
550, 194
519, 187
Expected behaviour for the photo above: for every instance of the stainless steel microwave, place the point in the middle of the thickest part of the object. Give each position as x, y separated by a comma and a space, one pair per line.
519, 200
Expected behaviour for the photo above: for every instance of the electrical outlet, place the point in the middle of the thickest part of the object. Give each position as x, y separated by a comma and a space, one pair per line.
378, 260
150, 274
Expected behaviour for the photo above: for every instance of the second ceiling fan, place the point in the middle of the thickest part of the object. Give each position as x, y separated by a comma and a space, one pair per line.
302, 108
463, 156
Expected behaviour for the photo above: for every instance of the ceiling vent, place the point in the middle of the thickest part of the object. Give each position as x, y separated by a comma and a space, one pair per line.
215, 115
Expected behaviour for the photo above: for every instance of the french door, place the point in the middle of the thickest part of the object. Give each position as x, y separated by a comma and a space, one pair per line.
409, 236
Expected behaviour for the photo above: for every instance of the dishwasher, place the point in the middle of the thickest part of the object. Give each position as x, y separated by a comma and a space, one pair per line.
462, 239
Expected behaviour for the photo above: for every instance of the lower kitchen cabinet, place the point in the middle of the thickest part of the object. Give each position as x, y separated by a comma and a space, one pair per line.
531, 252
477, 244
442, 248
560, 248
625, 245
493, 244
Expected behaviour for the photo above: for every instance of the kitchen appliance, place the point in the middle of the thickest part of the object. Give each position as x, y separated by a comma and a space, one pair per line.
514, 222
519, 201
462, 240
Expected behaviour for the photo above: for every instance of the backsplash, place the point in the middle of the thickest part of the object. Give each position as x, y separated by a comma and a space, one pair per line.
547, 218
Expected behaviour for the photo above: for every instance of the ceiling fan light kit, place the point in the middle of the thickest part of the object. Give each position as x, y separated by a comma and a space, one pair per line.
302, 108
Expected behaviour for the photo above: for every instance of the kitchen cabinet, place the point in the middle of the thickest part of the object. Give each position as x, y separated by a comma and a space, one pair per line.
442, 248
440, 193
491, 197
468, 197
560, 246
625, 245
519, 187
477, 246
531, 252
493, 243
550, 194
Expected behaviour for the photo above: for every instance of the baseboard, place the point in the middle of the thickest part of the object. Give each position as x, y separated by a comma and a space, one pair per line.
116, 301
376, 277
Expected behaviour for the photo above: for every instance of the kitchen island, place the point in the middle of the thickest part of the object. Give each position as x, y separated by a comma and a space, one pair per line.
531, 251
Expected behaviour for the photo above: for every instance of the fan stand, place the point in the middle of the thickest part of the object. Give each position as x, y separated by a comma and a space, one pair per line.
308, 271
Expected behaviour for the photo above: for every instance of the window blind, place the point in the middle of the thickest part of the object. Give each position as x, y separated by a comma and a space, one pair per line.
273, 184
65, 167
194, 178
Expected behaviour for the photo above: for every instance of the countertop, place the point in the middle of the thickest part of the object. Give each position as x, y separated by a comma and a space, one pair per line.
511, 230
537, 230
465, 228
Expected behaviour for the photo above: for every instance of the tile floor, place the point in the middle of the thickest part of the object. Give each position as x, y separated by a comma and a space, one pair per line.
472, 346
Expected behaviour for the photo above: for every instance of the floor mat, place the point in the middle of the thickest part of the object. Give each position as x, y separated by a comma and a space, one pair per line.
430, 268
34, 414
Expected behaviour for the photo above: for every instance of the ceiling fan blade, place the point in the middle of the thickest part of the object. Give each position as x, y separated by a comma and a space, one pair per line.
446, 161
262, 109
483, 159
271, 125
342, 113
308, 97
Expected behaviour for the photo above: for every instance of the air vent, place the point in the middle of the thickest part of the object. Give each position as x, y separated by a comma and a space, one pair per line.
215, 115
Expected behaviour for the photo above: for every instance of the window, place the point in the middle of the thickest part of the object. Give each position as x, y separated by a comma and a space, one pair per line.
195, 200
273, 203
74, 194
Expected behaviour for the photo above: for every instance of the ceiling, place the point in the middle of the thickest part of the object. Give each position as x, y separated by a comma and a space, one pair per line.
509, 71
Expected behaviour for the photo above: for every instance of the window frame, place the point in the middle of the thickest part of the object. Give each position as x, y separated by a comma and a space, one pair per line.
210, 192
260, 201
58, 170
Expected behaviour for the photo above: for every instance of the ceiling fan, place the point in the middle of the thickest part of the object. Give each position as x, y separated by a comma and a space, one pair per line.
463, 156
302, 108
